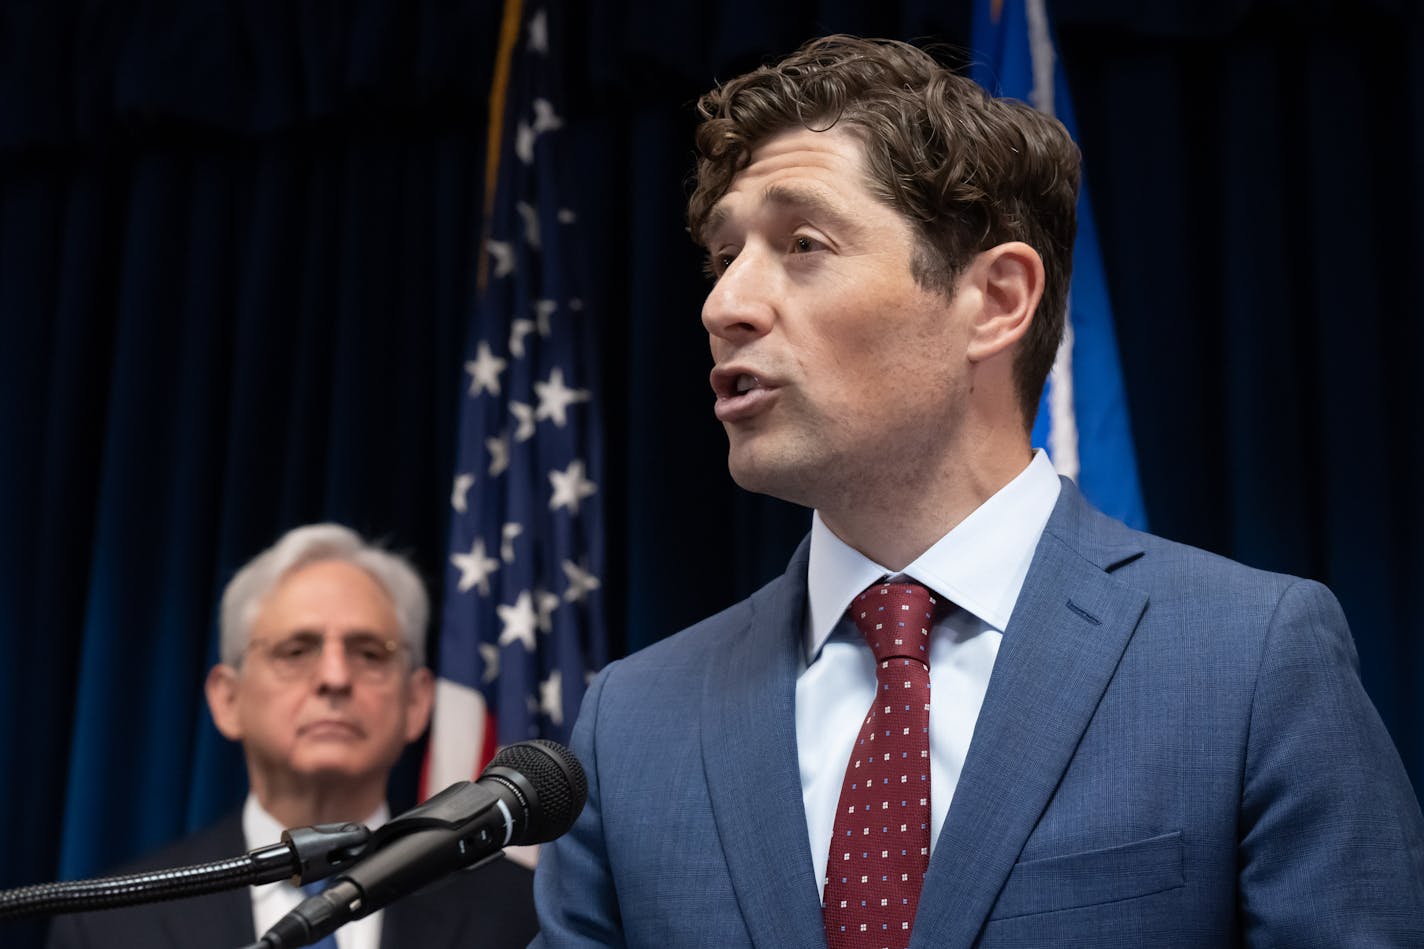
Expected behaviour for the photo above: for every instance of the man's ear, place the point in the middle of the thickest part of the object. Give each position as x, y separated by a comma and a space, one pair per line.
420, 699
1010, 279
221, 690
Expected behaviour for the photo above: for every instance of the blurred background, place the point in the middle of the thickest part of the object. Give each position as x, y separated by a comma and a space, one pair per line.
239, 273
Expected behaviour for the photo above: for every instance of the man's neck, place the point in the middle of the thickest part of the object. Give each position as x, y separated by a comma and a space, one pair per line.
319, 802
894, 527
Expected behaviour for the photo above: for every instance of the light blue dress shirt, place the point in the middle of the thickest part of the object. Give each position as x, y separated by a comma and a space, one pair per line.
980, 566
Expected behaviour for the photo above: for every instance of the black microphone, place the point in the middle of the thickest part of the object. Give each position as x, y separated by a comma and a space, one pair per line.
531, 792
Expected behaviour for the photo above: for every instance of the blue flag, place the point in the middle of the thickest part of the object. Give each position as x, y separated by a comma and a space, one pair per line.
523, 622
1082, 420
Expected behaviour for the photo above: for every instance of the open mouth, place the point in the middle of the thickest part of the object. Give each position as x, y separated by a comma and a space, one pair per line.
740, 393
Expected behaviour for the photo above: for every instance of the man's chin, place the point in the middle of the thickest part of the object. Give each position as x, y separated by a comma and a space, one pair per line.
777, 478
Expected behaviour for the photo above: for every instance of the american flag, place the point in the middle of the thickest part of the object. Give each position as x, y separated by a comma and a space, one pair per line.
523, 624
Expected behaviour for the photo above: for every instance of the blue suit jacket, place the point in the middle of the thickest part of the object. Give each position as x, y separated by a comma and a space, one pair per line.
1175, 750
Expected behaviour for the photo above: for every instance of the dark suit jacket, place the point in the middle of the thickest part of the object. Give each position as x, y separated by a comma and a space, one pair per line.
490, 906
1174, 750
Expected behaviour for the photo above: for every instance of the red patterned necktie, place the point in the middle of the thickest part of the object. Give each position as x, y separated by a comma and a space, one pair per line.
880, 847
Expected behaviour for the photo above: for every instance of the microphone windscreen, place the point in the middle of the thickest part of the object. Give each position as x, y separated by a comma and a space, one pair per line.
558, 782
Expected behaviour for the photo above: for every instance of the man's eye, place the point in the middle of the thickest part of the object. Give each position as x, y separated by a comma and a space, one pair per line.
717, 264
803, 245
294, 649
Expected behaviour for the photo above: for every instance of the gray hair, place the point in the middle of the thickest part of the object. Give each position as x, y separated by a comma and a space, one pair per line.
301, 546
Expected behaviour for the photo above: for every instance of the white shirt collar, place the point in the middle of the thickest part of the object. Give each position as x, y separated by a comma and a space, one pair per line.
980, 564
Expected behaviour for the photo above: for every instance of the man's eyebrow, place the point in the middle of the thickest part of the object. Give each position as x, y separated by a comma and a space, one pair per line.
814, 202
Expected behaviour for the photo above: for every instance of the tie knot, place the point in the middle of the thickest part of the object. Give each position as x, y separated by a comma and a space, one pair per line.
895, 619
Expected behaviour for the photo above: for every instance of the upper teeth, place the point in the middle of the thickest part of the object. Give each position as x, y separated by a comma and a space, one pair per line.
745, 383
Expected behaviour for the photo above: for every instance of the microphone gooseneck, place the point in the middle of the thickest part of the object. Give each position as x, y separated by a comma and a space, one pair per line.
531, 793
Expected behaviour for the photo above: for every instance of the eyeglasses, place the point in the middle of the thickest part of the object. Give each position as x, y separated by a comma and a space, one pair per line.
369, 657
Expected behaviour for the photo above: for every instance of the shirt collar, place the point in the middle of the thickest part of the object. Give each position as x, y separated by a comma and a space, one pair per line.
980, 565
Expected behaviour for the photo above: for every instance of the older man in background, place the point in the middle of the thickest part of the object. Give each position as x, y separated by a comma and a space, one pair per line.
323, 681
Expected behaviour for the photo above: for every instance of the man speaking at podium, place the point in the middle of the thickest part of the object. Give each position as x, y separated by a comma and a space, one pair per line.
974, 711
323, 681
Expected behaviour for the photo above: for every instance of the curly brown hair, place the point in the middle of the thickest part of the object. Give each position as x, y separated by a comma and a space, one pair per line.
967, 170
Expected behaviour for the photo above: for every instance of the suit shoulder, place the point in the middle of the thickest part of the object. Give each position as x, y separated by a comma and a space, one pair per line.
217, 841
1170, 568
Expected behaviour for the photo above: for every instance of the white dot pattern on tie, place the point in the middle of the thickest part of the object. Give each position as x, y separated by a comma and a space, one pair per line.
880, 844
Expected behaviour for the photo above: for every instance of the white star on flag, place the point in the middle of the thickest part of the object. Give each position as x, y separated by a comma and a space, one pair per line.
543, 309
484, 371
555, 398
460, 493
551, 697
539, 33
510, 529
518, 329
545, 603
524, 416
545, 120
503, 254
519, 621
530, 216
581, 582
506, 537
498, 449
475, 568
489, 653
570, 487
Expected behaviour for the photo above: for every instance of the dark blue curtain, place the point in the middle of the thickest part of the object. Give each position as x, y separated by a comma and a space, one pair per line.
236, 247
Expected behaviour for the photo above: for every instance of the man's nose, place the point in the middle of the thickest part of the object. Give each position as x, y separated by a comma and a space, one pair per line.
333, 669
740, 306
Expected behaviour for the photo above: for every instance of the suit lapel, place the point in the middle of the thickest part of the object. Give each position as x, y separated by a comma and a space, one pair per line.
1068, 631
753, 778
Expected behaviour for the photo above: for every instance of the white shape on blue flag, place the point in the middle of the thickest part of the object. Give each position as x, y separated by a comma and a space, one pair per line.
484, 370
551, 697
555, 398
507, 533
570, 487
544, 604
489, 655
581, 582
525, 134
499, 454
459, 494
530, 216
519, 621
524, 416
518, 329
475, 568
539, 33
543, 309
503, 254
